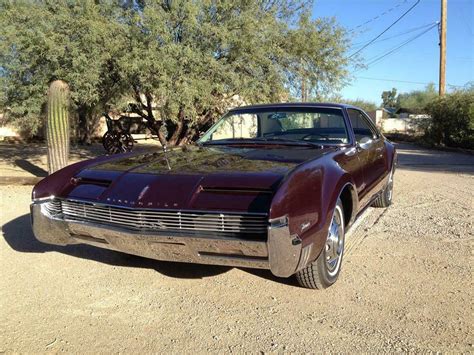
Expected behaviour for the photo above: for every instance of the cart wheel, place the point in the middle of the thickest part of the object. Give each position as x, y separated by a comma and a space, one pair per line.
126, 141
107, 140
111, 143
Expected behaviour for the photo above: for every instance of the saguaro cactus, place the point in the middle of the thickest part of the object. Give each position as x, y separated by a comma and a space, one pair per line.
57, 126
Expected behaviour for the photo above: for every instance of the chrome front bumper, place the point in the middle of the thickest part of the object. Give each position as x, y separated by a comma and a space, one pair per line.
280, 253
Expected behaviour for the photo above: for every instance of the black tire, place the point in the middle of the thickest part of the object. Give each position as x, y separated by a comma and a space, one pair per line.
324, 271
385, 198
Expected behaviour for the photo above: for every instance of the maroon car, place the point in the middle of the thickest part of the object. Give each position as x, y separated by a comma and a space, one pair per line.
268, 186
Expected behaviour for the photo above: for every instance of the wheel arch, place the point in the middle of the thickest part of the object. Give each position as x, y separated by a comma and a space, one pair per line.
348, 196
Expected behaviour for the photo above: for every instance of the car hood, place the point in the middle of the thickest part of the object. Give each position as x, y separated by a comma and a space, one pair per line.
191, 178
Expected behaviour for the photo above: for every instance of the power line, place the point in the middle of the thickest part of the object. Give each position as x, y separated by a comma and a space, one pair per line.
396, 35
378, 16
374, 60
389, 27
393, 80
402, 81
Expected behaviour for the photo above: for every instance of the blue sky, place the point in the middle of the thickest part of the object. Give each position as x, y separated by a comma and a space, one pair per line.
417, 61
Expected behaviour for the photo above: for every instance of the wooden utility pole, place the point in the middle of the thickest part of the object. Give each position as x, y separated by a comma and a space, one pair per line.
442, 48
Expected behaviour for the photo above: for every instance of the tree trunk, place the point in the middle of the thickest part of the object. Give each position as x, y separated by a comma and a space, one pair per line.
145, 110
87, 125
192, 133
83, 135
178, 129
186, 136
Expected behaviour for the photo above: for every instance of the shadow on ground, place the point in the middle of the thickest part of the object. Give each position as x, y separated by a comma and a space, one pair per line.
412, 157
36, 152
31, 168
19, 236
267, 275
31, 157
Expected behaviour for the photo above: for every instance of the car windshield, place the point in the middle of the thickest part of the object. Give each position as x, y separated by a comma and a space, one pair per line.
312, 126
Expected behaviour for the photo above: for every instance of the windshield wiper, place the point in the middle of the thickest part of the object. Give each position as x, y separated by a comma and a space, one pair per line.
263, 140
230, 141
290, 141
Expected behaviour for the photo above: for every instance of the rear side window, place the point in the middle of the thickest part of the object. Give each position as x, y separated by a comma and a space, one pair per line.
361, 126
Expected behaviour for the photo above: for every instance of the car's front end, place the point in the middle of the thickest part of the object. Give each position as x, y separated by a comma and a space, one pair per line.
203, 210
195, 236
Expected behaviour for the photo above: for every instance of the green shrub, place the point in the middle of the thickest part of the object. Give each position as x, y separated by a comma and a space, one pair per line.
452, 120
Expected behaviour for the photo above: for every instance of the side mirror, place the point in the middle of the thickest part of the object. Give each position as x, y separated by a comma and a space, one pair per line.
365, 143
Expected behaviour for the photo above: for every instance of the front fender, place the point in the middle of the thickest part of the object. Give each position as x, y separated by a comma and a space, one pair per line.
307, 198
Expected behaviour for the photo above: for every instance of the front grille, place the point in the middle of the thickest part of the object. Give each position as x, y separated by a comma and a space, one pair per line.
160, 220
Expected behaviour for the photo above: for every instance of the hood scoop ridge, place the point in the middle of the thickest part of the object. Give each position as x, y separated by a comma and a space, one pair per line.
237, 190
90, 181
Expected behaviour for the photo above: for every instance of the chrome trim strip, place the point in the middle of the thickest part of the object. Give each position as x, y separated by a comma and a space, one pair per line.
279, 222
282, 107
44, 199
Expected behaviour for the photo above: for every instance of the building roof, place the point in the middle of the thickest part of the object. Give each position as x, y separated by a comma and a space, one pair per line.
390, 110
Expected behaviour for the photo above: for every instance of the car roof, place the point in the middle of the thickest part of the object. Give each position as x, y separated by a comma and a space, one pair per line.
294, 105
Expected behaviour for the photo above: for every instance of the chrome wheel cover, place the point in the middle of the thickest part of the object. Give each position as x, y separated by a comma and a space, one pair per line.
335, 242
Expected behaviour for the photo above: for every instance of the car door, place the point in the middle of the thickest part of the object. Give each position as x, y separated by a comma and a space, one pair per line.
379, 167
370, 148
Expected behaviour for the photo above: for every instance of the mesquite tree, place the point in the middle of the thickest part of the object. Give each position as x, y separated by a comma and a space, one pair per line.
77, 41
189, 61
57, 125
178, 64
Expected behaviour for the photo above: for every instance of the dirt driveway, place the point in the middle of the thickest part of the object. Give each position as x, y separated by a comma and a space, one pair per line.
406, 285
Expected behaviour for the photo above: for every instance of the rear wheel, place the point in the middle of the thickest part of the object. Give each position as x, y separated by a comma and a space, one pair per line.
115, 143
126, 141
385, 198
324, 271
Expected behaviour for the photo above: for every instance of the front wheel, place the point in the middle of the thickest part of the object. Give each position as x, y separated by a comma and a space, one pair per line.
324, 271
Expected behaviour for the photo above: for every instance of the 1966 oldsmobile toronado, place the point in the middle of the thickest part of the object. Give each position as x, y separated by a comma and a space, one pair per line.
268, 186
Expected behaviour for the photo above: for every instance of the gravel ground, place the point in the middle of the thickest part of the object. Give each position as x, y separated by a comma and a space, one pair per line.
406, 285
